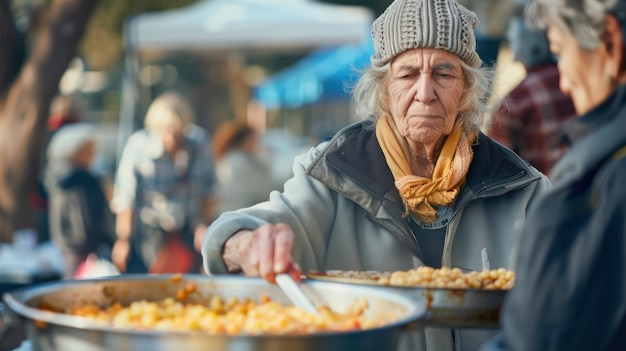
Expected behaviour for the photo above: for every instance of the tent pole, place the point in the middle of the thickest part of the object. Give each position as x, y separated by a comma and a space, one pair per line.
128, 98
238, 87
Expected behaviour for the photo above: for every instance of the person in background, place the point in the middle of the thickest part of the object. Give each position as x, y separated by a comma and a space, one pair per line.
534, 112
244, 177
570, 289
64, 110
164, 191
79, 218
415, 183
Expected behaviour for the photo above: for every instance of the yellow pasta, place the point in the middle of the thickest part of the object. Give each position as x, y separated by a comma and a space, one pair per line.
227, 316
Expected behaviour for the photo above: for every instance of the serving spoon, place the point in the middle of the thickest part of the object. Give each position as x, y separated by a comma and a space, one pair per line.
295, 293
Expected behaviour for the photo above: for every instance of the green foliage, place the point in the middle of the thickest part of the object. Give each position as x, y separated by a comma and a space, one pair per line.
102, 45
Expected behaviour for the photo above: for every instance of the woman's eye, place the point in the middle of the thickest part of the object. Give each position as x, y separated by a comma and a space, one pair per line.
443, 74
405, 75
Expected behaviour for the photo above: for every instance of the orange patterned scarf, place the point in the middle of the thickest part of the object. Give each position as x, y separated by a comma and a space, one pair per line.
418, 193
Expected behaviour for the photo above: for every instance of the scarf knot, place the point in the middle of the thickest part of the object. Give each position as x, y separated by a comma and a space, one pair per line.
422, 195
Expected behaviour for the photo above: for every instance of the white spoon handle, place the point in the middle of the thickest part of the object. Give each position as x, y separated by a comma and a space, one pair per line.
295, 293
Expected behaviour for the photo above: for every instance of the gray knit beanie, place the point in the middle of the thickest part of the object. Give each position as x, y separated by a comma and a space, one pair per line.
437, 24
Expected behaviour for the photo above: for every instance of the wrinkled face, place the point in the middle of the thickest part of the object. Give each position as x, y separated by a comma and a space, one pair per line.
425, 88
582, 72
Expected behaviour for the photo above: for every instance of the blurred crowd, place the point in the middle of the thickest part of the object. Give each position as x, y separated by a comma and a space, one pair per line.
172, 179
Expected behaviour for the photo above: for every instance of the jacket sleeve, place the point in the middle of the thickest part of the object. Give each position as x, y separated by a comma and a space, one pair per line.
68, 220
306, 205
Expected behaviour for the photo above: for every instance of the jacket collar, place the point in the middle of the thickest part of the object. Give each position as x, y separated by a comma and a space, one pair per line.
355, 155
577, 128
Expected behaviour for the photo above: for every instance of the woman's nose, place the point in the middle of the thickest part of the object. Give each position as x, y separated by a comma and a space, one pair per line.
425, 89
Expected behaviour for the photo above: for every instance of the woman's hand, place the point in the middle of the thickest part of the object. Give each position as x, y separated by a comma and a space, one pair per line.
263, 252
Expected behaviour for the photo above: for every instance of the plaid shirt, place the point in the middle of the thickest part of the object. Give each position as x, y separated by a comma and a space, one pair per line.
537, 111
164, 193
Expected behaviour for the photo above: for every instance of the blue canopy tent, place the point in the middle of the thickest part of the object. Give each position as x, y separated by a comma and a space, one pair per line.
325, 74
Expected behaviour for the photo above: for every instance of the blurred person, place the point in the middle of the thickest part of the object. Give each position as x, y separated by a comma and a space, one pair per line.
163, 193
64, 110
80, 221
243, 176
415, 183
534, 112
570, 287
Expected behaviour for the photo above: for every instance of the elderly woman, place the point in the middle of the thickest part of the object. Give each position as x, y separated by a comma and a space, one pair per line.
416, 183
570, 289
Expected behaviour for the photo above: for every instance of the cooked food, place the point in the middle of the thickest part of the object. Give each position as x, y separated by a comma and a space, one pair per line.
427, 277
219, 315
451, 278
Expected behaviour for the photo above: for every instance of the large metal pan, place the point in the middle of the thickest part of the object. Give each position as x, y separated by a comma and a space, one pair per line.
66, 332
446, 307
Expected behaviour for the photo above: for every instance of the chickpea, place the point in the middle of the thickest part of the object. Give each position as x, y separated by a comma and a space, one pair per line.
451, 278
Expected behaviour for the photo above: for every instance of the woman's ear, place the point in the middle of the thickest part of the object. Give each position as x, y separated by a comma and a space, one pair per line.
614, 40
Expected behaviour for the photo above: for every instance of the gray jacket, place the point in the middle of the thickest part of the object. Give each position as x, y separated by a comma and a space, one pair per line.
346, 213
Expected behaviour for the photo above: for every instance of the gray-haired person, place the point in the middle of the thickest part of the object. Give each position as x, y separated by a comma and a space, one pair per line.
570, 290
78, 213
415, 183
